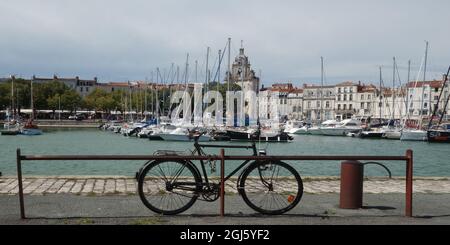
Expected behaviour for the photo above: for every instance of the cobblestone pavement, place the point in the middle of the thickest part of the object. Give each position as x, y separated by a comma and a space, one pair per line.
121, 185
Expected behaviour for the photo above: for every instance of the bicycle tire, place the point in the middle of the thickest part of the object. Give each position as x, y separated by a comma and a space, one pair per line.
291, 196
147, 198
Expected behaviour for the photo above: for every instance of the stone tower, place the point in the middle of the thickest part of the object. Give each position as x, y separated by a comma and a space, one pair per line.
242, 74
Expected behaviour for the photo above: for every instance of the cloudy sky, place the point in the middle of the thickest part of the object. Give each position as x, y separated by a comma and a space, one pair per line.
126, 40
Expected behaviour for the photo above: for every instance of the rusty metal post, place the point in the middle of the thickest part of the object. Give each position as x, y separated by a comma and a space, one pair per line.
352, 174
409, 183
222, 182
19, 179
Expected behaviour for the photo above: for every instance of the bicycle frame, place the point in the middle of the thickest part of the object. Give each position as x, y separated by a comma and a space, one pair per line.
199, 150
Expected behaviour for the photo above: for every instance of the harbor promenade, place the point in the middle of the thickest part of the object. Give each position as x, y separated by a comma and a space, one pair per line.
113, 200
123, 185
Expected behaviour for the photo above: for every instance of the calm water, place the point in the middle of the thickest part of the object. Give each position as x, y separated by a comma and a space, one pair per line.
429, 159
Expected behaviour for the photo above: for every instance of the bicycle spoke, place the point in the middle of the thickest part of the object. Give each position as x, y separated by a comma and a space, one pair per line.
160, 191
269, 188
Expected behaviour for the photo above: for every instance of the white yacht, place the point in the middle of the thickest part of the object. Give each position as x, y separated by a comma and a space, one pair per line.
413, 135
295, 127
393, 134
183, 134
316, 130
342, 128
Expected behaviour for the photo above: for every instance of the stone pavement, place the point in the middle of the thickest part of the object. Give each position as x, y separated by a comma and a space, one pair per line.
122, 185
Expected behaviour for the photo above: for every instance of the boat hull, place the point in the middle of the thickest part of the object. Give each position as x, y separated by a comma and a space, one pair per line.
371, 135
10, 132
338, 131
245, 136
31, 131
438, 136
393, 135
414, 135
182, 137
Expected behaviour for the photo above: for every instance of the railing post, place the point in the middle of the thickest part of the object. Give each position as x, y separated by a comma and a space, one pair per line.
409, 183
19, 180
222, 182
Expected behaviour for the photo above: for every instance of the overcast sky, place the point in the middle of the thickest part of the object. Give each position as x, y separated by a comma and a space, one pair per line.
126, 40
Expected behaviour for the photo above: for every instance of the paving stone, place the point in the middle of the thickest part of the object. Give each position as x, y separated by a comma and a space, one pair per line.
66, 187
56, 186
78, 186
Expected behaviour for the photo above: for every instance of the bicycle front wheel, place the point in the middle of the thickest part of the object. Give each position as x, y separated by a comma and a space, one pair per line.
169, 187
271, 187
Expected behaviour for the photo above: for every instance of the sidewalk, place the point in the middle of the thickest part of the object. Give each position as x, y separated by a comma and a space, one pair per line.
121, 185
112, 200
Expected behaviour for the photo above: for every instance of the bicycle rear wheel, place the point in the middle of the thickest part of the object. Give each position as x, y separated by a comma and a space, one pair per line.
271, 187
169, 187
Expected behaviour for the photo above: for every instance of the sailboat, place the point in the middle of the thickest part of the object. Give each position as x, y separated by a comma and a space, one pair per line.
30, 128
418, 134
375, 132
440, 133
12, 127
392, 131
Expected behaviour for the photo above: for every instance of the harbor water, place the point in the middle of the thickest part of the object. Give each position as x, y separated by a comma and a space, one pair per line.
429, 159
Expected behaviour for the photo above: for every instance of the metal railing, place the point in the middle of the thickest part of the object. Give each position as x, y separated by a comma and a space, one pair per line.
408, 158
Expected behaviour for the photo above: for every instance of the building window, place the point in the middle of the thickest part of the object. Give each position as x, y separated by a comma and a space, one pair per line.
345, 107
112, 89
425, 105
362, 105
368, 96
350, 106
87, 89
309, 104
368, 105
339, 107
339, 90
327, 104
81, 89
362, 96
350, 97
351, 89
436, 97
339, 97
345, 97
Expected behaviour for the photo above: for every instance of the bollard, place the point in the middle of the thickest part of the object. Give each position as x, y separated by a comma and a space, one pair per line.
352, 174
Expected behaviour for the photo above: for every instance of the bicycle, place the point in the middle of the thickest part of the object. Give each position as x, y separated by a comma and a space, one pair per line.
171, 187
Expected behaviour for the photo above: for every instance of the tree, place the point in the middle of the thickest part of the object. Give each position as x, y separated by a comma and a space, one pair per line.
71, 101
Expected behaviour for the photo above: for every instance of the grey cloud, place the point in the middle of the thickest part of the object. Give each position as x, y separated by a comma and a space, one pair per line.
121, 40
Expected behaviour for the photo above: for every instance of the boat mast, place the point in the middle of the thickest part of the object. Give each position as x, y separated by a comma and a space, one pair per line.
13, 106
423, 86
439, 99
242, 86
207, 73
218, 83
229, 64
381, 94
321, 90
32, 104
393, 92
